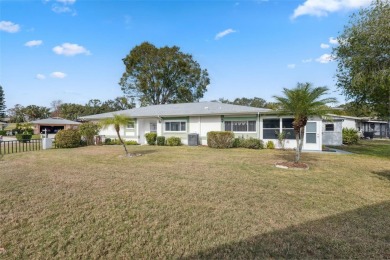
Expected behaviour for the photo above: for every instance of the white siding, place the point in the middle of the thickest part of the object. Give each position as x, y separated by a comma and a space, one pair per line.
349, 123
208, 124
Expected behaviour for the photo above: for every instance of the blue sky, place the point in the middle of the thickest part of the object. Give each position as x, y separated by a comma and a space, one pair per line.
72, 50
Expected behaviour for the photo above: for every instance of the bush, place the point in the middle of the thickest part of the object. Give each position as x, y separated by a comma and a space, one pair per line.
161, 140
131, 142
151, 138
350, 136
270, 145
107, 141
89, 130
69, 138
173, 141
24, 138
3, 132
220, 139
252, 143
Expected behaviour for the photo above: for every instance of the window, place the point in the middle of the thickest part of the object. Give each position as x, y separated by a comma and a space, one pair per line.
288, 128
240, 126
311, 132
130, 125
271, 128
329, 127
175, 126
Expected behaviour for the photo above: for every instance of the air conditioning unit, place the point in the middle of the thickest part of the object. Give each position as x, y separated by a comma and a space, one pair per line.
193, 139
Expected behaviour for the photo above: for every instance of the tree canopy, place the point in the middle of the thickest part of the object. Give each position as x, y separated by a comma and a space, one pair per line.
251, 102
303, 101
162, 75
363, 72
2, 103
20, 114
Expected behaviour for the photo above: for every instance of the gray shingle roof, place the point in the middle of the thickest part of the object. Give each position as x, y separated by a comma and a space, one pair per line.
55, 121
183, 109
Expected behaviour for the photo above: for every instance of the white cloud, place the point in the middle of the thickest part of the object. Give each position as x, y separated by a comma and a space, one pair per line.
324, 46
33, 43
67, 1
291, 66
307, 60
224, 33
70, 49
333, 40
325, 58
60, 9
40, 76
58, 75
324, 7
10, 27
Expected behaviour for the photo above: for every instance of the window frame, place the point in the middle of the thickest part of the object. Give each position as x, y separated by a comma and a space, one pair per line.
240, 121
275, 129
130, 123
180, 122
327, 130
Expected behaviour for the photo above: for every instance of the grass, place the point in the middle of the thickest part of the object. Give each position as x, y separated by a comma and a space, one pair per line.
376, 147
191, 203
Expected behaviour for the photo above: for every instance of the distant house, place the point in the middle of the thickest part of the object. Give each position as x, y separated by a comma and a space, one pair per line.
180, 120
53, 125
332, 129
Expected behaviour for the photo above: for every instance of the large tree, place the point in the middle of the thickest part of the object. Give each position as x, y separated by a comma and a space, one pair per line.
363, 57
33, 112
162, 75
2, 103
303, 101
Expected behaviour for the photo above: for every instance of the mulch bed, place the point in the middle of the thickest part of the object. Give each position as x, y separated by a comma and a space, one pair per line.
292, 165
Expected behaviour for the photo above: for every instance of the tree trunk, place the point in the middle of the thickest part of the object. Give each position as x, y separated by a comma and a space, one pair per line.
297, 152
302, 134
124, 145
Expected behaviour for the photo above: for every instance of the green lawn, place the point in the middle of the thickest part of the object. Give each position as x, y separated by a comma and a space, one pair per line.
191, 203
376, 147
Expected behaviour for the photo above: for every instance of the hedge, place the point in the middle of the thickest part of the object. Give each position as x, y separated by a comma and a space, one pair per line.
69, 138
160, 140
173, 141
350, 136
151, 138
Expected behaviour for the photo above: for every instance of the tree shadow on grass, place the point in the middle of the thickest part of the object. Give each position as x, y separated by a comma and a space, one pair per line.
383, 175
363, 233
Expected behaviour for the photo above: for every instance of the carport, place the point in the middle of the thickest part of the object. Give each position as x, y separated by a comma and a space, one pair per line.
53, 125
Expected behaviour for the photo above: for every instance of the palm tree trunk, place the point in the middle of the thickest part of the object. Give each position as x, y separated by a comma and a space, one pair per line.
120, 140
302, 134
297, 152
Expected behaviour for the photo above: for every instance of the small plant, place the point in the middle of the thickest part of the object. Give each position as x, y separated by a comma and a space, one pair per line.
3, 132
131, 142
238, 142
270, 145
350, 136
160, 140
151, 138
69, 138
282, 138
173, 141
107, 141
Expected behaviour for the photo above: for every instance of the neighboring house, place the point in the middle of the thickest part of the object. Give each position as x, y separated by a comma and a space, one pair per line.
53, 125
332, 129
180, 120
2, 125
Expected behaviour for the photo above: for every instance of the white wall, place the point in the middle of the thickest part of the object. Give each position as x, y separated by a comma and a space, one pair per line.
349, 123
208, 124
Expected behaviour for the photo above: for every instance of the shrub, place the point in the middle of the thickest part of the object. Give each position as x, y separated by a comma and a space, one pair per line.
173, 141
350, 136
270, 145
69, 138
252, 143
3, 132
24, 138
220, 139
107, 141
151, 138
161, 140
237, 142
89, 130
131, 142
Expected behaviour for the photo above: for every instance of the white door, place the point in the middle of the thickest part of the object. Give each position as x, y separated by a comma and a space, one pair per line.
312, 136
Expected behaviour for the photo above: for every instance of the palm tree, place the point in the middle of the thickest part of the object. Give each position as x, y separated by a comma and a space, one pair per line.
303, 101
117, 121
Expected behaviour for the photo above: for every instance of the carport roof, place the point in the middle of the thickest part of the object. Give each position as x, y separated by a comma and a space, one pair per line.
55, 121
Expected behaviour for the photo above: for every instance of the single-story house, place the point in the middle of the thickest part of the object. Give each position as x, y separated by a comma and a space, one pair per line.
332, 128
181, 120
53, 125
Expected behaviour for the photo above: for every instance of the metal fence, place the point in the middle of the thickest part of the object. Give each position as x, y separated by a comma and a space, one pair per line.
15, 146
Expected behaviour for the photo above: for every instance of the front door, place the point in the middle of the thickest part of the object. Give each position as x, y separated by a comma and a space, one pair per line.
312, 136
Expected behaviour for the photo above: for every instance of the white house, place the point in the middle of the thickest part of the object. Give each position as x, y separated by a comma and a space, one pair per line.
180, 120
